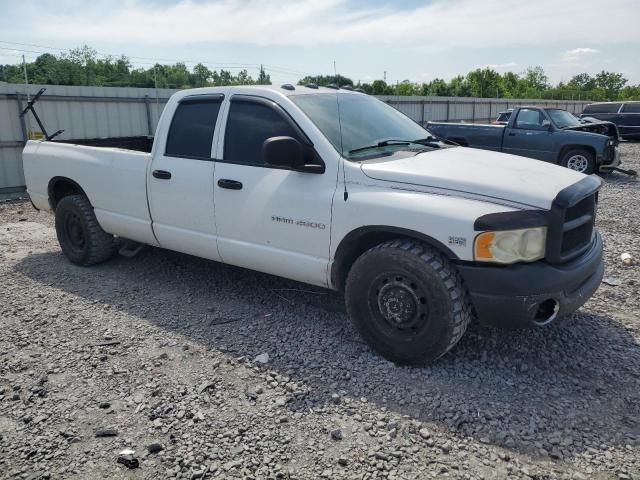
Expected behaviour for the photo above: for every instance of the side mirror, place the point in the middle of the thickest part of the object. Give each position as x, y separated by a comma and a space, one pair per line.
287, 152
546, 124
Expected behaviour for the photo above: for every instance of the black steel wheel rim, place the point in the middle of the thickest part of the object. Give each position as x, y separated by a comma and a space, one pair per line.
400, 305
74, 231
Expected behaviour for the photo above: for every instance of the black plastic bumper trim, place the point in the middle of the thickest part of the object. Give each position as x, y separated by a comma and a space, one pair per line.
509, 297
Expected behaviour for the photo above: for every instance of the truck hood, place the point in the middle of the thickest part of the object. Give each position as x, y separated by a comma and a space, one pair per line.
603, 128
496, 177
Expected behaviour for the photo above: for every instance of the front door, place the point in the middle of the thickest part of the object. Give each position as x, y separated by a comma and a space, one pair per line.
270, 219
530, 136
181, 179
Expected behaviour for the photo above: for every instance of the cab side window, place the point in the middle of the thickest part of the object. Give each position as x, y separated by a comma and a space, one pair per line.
192, 127
530, 119
249, 124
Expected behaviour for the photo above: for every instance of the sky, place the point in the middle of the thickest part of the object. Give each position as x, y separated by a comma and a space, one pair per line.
407, 39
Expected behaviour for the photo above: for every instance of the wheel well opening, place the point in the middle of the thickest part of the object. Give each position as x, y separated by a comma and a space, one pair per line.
568, 148
60, 188
358, 242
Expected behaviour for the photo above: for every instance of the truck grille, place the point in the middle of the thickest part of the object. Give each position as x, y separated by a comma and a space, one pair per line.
571, 221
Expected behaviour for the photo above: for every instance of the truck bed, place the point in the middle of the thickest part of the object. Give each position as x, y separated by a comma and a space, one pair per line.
142, 143
114, 180
478, 135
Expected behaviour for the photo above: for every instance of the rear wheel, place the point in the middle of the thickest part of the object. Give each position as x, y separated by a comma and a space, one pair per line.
407, 301
81, 238
579, 160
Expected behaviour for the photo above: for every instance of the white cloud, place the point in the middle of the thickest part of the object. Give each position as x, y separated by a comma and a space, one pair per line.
577, 54
440, 24
501, 66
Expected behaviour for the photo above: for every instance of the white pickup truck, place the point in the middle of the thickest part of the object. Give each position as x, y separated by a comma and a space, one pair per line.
337, 189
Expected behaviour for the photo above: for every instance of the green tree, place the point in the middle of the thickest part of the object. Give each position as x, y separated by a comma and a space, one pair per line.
536, 78
324, 80
263, 78
485, 82
201, 75
380, 87
582, 81
610, 83
406, 88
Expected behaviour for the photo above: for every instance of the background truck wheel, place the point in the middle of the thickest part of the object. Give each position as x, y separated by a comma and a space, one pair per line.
407, 301
80, 236
579, 160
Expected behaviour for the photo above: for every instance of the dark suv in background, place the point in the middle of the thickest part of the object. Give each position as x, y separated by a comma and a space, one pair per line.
626, 116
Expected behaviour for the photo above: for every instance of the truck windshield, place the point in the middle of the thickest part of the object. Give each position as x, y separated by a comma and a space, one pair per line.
357, 124
562, 118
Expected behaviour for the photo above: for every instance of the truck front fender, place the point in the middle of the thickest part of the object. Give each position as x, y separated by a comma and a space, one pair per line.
361, 239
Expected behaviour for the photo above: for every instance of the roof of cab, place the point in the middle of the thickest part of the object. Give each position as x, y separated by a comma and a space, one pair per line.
284, 89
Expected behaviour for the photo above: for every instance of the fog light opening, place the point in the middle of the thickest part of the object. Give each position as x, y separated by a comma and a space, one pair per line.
547, 312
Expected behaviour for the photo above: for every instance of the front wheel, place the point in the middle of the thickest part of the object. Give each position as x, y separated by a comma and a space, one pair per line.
81, 238
579, 160
407, 301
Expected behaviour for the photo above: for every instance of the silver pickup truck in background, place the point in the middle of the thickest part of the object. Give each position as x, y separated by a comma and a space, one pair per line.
549, 134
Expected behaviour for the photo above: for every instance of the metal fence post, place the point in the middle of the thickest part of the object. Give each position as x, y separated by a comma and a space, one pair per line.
448, 110
148, 110
422, 104
473, 112
23, 125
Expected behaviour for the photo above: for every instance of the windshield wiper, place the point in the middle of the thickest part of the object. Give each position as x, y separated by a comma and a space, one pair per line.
383, 143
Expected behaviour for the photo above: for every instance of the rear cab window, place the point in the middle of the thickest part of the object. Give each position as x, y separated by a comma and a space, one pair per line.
192, 127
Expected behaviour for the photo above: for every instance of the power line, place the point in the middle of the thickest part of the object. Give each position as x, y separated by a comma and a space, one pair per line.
227, 65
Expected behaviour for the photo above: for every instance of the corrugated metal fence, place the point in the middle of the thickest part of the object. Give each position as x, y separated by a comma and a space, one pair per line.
93, 112
468, 109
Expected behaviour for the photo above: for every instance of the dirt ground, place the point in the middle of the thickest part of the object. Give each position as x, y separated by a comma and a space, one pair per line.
163, 354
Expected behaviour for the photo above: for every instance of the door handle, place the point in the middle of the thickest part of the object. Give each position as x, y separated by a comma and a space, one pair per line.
162, 174
230, 184
511, 134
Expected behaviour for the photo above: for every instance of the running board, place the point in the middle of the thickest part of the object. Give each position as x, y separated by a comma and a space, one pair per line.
130, 248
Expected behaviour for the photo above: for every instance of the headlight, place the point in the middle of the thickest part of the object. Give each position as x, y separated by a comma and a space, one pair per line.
510, 246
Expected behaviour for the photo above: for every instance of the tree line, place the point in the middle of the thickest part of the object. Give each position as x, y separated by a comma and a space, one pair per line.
488, 83
82, 66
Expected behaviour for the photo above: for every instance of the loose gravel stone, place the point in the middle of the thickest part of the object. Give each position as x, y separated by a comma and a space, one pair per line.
163, 349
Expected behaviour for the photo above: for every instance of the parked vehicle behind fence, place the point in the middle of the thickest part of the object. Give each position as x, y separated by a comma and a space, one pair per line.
625, 115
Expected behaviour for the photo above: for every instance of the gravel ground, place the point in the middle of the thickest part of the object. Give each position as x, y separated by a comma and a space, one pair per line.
164, 354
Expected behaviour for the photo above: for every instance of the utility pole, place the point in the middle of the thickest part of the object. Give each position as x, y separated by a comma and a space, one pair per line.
385, 76
155, 81
26, 89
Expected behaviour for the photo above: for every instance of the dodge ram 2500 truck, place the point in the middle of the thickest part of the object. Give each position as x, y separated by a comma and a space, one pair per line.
548, 134
337, 189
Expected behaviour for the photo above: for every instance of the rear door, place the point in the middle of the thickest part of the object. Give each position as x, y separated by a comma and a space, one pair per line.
529, 135
180, 183
629, 119
270, 219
